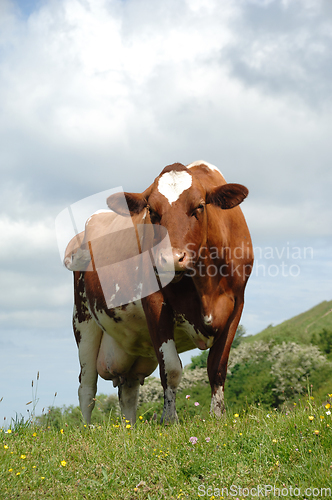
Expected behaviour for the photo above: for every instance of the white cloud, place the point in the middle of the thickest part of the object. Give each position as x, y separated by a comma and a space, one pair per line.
25, 238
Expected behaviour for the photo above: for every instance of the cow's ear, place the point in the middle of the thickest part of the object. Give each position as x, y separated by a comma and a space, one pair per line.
227, 196
121, 202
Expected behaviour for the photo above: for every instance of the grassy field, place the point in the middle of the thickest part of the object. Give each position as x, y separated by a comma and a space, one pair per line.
289, 450
299, 329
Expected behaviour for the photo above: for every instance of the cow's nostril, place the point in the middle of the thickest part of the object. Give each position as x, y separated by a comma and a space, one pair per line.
182, 257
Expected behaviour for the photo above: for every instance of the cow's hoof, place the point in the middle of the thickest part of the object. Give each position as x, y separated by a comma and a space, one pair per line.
169, 418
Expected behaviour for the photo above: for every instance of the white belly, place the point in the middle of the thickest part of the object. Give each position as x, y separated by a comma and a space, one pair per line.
126, 345
129, 330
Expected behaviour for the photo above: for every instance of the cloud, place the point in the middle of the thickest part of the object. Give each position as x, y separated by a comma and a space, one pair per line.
285, 49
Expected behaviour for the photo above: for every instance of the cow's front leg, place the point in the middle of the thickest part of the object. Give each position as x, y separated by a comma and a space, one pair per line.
161, 326
218, 359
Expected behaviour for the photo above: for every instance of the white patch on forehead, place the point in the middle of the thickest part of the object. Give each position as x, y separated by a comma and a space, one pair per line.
202, 162
172, 184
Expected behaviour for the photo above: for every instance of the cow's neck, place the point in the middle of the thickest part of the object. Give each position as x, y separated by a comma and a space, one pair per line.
210, 280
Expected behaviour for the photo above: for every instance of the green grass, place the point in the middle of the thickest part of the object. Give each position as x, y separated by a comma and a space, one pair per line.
299, 329
150, 461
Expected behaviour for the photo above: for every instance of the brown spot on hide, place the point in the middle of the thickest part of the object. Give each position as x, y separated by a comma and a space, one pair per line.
82, 311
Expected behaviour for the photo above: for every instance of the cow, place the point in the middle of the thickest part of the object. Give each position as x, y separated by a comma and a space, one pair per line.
128, 319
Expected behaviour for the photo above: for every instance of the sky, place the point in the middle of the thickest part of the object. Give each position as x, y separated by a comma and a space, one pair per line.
97, 94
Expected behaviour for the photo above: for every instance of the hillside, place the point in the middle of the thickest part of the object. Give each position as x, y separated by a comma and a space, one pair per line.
299, 329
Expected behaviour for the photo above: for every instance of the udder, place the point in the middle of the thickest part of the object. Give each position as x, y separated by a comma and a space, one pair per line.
115, 364
113, 361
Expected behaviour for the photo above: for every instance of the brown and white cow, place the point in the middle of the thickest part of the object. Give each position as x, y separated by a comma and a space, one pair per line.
125, 325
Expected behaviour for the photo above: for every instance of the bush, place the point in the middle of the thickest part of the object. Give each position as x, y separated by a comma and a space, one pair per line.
199, 361
323, 341
293, 365
265, 373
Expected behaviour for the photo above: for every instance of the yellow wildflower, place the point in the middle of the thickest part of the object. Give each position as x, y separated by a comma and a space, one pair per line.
63, 463
5, 447
10, 470
311, 417
327, 406
128, 426
9, 431
34, 434
316, 432
140, 417
236, 415
23, 457
61, 430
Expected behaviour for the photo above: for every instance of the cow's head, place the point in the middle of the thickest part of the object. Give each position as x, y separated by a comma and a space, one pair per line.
177, 200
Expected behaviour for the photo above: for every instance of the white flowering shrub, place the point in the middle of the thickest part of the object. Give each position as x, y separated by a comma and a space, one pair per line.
292, 365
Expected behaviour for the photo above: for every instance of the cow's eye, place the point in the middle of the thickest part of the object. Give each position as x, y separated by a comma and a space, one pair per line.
198, 210
154, 216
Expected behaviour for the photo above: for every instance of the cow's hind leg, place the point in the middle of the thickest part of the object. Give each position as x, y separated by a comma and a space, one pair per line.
88, 352
170, 374
89, 335
128, 399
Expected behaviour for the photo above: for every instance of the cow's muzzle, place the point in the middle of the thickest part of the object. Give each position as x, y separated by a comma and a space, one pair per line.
173, 261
